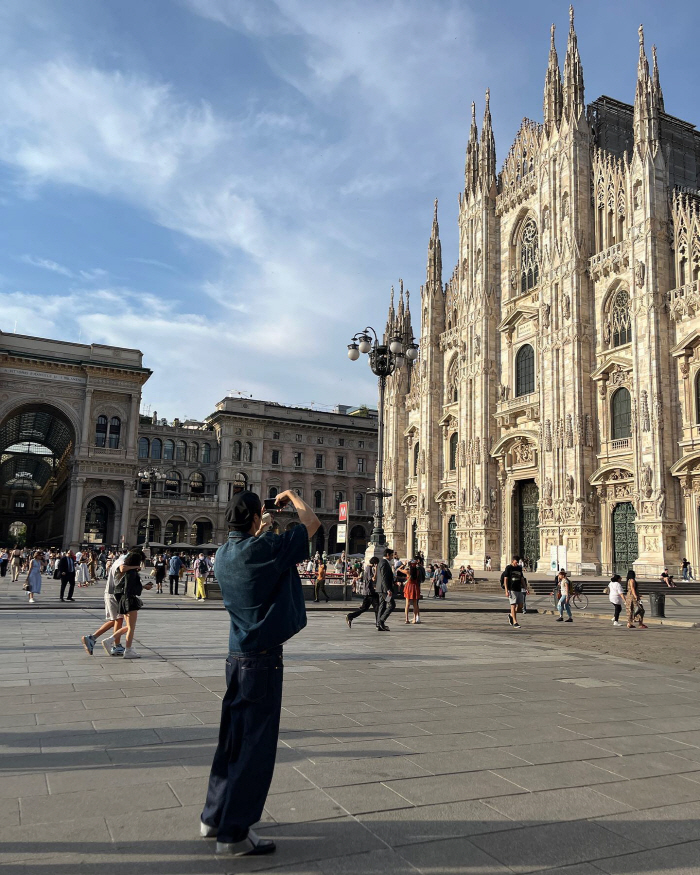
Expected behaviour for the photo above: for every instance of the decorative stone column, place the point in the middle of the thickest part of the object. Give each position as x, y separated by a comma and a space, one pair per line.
78, 518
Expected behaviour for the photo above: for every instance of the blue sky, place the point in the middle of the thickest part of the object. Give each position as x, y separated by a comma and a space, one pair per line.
233, 185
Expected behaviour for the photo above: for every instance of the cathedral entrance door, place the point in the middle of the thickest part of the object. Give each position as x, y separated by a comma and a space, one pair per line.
451, 540
528, 522
625, 541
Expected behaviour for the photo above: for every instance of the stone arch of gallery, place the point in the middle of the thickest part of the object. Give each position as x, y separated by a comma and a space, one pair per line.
37, 442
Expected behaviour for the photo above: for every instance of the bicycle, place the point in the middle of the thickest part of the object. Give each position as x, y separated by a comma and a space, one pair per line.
578, 598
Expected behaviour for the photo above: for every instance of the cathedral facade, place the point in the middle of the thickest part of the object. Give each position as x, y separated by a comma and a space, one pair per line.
556, 398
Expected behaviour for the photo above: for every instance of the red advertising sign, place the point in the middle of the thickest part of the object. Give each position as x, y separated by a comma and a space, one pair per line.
343, 512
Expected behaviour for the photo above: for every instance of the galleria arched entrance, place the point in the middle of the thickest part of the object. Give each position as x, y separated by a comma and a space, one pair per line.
37, 442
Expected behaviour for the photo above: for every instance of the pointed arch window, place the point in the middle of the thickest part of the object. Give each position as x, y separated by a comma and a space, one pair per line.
453, 452
529, 256
620, 320
416, 454
101, 431
525, 370
621, 408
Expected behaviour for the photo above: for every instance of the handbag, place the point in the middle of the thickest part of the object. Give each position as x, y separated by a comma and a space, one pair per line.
26, 587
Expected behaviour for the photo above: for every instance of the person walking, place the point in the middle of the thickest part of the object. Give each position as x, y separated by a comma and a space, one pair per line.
113, 619
174, 569
82, 572
201, 569
320, 586
16, 563
66, 573
33, 584
368, 591
160, 567
411, 590
262, 592
513, 580
633, 600
616, 596
687, 570
4, 560
387, 588
564, 598
127, 590
488, 563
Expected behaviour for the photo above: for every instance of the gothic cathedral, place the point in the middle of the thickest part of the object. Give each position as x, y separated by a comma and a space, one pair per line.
556, 399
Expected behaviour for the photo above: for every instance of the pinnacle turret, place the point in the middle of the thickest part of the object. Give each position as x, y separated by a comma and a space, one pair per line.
648, 101
553, 91
573, 75
487, 152
434, 273
656, 84
471, 171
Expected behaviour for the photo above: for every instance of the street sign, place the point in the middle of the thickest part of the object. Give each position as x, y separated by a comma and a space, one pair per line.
342, 533
342, 513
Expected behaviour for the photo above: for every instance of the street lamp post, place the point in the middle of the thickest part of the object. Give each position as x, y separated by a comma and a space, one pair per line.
150, 476
384, 359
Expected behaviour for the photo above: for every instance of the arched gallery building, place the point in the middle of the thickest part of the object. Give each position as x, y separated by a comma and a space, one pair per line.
72, 446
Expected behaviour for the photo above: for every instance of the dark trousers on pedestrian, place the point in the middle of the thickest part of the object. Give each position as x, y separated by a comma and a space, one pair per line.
320, 587
369, 602
386, 606
68, 580
174, 580
3, 567
245, 755
618, 611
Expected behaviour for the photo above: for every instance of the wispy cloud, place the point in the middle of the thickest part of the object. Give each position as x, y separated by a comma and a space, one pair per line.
47, 264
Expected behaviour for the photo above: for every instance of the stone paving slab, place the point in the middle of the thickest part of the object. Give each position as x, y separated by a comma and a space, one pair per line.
455, 746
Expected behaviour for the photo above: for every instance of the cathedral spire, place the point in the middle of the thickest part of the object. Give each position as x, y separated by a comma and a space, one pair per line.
471, 172
646, 103
434, 273
656, 84
553, 93
399, 312
391, 315
487, 156
573, 75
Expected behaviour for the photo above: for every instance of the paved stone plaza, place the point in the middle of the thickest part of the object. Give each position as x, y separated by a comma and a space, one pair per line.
457, 746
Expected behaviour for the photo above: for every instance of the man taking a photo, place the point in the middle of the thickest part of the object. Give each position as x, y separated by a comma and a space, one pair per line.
261, 589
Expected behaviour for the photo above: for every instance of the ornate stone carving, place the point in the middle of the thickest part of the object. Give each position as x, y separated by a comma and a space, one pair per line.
639, 273
569, 431
548, 435
545, 315
523, 452
566, 306
646, 423
647, 479
548, 488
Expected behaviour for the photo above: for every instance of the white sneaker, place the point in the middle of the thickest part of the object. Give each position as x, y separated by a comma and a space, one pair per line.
615, 623
417, 620
130, 653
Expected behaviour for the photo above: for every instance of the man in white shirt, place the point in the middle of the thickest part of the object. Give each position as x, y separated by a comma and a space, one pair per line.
114, 620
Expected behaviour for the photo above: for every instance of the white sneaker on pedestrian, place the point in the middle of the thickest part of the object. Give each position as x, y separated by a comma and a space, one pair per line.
616, 623
417, 620
252, 845
130, 653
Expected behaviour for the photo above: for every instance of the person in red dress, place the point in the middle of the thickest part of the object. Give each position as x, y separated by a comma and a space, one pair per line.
411, 590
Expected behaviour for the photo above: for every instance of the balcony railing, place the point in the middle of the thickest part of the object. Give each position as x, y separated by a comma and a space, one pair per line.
610, 260
620, 444
684, 302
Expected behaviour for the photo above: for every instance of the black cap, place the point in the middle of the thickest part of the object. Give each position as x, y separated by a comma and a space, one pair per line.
241, 510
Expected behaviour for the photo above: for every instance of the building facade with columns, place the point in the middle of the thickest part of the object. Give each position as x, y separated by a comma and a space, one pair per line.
73, 446
69, 419
556, 399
